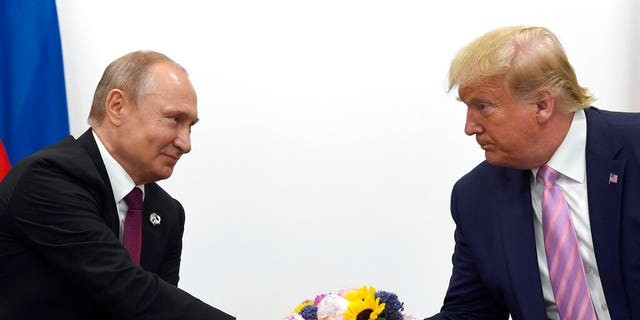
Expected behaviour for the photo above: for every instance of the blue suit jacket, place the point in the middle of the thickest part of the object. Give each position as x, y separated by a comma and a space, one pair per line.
495, 268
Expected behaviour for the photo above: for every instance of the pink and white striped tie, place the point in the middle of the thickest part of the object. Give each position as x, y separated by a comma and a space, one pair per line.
566, 268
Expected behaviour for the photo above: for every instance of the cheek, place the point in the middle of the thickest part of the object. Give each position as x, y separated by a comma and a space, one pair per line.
163, 138
520, 135
159, 131
506, 135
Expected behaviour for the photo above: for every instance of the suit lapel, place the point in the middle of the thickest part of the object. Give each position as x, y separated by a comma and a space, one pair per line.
110, 212
516, 224
152, 241
605, 199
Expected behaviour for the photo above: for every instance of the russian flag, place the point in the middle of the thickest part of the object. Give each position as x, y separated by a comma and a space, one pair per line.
33, 102
4, 161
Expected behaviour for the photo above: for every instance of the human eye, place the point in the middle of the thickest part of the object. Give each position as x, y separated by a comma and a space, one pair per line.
483, 107
171, 119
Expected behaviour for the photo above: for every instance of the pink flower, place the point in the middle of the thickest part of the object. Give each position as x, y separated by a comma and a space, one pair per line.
332, 307
318, 299
343, 292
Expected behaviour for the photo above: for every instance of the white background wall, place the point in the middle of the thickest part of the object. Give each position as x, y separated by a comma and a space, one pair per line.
328, 144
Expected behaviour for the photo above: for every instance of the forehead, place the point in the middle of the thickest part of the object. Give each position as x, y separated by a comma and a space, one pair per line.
168, 75
487, 88
171, 92
171, 82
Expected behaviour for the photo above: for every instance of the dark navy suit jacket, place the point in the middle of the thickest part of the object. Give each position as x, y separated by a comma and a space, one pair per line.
60, 257
495, 268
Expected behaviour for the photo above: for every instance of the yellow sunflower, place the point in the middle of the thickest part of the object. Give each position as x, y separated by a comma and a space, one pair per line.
363, 304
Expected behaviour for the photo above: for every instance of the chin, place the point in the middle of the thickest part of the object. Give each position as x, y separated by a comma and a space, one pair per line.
165, 174
497, 161
491, 158
507, 164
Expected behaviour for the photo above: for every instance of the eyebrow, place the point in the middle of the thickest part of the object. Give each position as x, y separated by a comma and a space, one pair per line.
479, 98
181, 114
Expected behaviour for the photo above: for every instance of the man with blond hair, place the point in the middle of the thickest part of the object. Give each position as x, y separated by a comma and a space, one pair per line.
85, 231
547, 227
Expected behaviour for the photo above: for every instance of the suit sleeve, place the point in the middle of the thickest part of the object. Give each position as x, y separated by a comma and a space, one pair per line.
467, 296
58, 216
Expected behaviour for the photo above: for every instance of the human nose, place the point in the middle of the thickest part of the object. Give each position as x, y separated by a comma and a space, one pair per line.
183, 140
472, 126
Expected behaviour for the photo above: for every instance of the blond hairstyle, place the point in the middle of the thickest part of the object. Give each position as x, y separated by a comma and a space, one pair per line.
130, 73
531, 59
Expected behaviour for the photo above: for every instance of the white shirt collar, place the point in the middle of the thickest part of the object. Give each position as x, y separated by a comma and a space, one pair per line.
121, 182
568, 159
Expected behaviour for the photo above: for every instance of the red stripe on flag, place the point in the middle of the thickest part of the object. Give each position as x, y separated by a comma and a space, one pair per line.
4, 162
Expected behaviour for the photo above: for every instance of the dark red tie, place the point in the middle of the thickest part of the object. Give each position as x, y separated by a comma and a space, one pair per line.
132, 235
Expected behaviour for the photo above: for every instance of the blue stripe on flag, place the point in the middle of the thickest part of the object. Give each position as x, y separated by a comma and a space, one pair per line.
33, 103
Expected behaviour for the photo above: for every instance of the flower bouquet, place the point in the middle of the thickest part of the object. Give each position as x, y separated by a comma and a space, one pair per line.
352, 304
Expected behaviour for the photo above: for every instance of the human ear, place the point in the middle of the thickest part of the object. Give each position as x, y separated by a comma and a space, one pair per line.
115, 102
546, 106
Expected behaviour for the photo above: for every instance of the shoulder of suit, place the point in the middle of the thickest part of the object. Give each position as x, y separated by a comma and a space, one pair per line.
66, 156
614, 118
622, 127
486, 175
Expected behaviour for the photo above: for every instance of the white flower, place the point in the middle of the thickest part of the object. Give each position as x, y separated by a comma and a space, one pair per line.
332, 307
407, 317
294, 316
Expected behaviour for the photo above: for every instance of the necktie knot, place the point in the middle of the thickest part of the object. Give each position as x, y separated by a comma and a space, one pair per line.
134, 199
548, 175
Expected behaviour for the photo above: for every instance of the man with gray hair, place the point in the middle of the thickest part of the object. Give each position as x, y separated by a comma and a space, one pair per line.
85, 231
547, 227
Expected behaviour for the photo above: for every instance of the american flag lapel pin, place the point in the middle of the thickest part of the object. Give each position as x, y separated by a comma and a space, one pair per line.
613, 178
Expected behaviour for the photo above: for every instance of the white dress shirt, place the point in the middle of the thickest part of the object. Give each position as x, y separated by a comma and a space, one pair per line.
569, 161
121, 182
